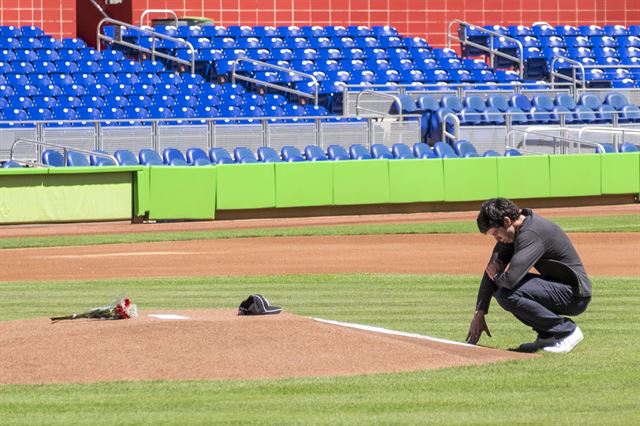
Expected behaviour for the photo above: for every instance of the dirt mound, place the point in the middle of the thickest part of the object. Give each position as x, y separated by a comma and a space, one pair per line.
214, 344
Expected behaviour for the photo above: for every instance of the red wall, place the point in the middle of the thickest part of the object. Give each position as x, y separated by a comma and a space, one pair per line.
411, 17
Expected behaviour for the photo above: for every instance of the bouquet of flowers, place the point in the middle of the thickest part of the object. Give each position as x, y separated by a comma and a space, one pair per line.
121, 308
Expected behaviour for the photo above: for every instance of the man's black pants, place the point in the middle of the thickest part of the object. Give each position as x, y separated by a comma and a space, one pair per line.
539, 303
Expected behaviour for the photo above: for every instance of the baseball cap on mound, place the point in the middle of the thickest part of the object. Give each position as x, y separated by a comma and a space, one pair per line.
256, 304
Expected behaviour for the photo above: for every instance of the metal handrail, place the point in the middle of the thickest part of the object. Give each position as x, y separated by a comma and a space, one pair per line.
613, 131
395, 99
573, 80
149, 11
154, 35
566, 141
64, 148
235, 76
456, 127
490, 49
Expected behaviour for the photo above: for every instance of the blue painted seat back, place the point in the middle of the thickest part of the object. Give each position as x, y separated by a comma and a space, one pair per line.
266, 154
197, 157
97, 160
77, 159
359, 152
337, 153
149, 157
628, 147
291, 154
219, 155
52, 158
422, 150
173, 157
244, 155
465, 149
314, 153
381, 151
402, 151
444, 150
512, 152
126, 157
606, 148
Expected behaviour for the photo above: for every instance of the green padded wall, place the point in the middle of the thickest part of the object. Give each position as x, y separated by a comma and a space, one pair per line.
575, 175
414, 181
182, 192
304, 184
620, 173
65, 194
246, 186
360, 182
470, 179
523, 177
141, 192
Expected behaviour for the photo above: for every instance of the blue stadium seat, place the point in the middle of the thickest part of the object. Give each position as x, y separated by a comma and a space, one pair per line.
337, 153
149, 157
605, 148
444, 150
219, 155
359, 152
11, 165
402, 151
491, 153
314, 153
628, 147
244, 155
512, 152
266, 154
52, 158
630, 113
76, 159
380, 151
616, 100
173, 157
126, 157
464, 148
422, 150
291, 154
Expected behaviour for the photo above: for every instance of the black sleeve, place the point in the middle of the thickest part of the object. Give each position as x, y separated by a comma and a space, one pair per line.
529, 250
487, 286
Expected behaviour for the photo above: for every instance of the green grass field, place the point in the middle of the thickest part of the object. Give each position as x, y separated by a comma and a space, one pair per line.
595, 384
619, 223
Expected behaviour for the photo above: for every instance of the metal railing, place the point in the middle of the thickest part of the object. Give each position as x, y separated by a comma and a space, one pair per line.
456, 127
40, 144
235, 75
573, 79
491, 50
166, 11
393, 98
154, 36
612, 131
566, 145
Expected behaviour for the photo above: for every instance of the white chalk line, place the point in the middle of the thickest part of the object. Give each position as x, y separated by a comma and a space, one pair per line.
168, 316
392, 332
99, 255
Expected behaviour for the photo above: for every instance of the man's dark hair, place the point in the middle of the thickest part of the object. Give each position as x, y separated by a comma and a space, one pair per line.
493, 212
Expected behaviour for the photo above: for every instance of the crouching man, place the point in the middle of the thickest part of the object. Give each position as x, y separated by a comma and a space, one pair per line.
541, 301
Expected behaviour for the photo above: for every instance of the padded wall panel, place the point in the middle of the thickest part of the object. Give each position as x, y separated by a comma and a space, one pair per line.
246, 186
141, 192
361, 182
413, 181
620, 173
65, 195
575, 175
470, 179
523, 177
182, 192
304, 184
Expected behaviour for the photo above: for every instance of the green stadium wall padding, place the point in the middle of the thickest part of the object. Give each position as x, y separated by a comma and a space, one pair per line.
65, 195
304, 184
360, 182
574, 175
415, 181
470, 179
620, 172
523, 177
246, 186
141, 192
182, 192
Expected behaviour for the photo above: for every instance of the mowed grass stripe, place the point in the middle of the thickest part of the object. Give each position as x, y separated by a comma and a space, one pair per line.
618, 223
596, 384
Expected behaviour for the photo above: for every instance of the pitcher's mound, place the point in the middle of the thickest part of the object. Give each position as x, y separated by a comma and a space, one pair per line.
214, 344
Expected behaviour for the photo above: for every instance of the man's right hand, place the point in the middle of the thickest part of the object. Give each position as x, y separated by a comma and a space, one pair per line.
478, 325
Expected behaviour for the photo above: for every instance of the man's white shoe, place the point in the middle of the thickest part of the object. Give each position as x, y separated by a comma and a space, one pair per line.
565, 345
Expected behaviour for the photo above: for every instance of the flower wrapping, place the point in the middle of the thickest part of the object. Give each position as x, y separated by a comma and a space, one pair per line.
121, 308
